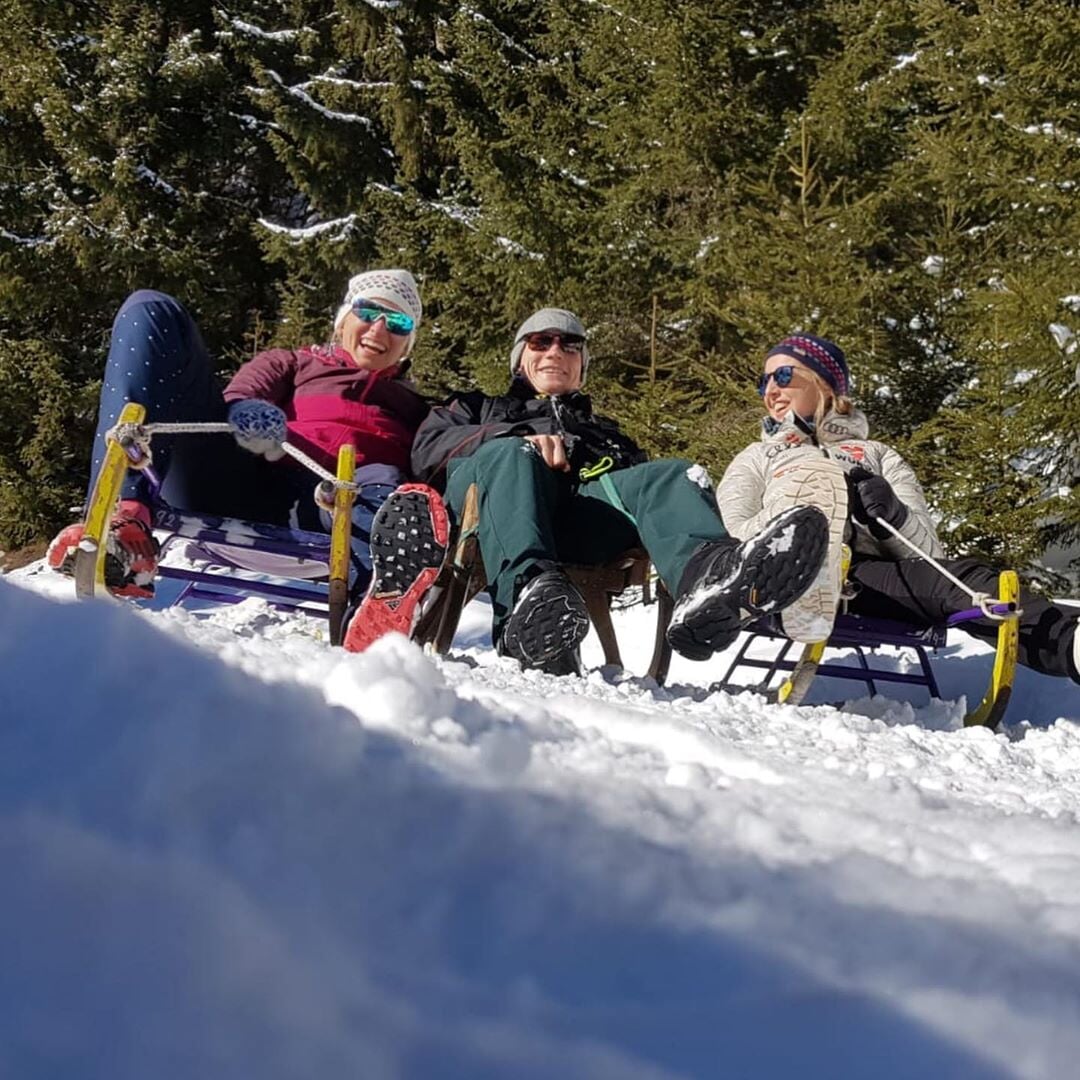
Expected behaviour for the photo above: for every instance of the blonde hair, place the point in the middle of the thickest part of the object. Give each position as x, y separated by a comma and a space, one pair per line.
828, 399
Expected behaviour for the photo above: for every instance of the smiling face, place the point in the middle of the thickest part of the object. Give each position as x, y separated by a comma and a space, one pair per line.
371, 344
802, 394
551, 370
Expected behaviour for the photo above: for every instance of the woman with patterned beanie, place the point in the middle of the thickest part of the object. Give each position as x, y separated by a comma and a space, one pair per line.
815, 450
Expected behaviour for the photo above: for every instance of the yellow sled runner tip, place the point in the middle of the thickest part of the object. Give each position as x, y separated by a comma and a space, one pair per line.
340, 538
998, 693
90, 556
795, 687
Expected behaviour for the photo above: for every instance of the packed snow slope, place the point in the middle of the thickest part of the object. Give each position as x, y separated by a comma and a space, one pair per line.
231, 851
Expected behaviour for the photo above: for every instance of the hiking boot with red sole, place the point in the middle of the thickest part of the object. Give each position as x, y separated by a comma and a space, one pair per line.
131, 555
410, 535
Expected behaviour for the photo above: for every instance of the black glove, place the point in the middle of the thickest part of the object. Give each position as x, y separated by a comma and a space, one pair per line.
871, 497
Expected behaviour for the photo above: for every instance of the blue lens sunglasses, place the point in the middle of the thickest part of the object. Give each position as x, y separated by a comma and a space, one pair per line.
397, 322
782, 375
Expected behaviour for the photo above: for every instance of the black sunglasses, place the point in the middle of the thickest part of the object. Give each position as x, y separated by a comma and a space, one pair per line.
782, 375
541, 342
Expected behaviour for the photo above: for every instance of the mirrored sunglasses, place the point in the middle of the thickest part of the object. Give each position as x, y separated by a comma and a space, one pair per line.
569, 343
397, 322
782, 375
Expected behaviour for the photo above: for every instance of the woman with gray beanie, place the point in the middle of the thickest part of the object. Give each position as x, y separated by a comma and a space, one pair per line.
558, 483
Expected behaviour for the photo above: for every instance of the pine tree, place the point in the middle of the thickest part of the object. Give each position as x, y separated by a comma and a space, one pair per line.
1002, 453
662, 400
921, 225
792, 254
129, 160
313, 92
582, 165
511, 219
1004, 500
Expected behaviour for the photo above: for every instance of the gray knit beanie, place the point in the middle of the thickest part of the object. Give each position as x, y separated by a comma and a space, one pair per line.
555, 320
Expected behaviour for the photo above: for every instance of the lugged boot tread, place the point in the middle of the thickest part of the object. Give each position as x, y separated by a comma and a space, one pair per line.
761, 576
410, 535
819, 483
549, 620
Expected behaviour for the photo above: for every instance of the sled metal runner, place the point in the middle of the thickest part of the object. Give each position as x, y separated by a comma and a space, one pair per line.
319, 560
863, 634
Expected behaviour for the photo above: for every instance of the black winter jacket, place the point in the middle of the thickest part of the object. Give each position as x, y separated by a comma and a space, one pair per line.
468, 420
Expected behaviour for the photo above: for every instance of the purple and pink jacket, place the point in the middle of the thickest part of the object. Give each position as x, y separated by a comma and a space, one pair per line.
329, 401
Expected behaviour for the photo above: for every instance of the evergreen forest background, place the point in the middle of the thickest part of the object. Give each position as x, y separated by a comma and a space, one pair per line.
696, 178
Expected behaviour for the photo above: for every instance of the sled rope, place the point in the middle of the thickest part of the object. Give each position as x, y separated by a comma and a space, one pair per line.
135, 439
990, 606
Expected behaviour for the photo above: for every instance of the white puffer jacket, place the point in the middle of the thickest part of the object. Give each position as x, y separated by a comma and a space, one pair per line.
741, 492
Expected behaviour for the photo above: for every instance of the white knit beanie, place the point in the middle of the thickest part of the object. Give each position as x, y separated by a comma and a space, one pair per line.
396, 286
553, 320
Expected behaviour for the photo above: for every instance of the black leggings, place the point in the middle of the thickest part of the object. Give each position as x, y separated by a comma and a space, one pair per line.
911, 590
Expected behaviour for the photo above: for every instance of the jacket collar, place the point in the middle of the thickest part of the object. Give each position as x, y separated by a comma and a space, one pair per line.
335, 354
832, 429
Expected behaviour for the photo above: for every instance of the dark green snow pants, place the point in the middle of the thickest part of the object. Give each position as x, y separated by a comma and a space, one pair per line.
530, 514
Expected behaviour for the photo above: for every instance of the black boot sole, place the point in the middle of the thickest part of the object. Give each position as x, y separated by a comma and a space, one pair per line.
774, 569
551, 620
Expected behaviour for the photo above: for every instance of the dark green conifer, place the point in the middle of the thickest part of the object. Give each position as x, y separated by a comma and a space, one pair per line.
129, 159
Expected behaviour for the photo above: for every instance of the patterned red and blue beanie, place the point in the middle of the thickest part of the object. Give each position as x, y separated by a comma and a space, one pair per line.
820, 355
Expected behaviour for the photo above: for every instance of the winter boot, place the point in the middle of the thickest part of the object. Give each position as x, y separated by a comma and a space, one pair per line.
818, 481
564, 663
131, 552
727, 584
548, 623
410, 534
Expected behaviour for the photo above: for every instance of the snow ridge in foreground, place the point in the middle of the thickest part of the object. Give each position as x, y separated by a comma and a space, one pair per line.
231, 851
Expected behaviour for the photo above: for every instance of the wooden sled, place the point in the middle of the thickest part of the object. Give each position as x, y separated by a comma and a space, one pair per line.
463, 577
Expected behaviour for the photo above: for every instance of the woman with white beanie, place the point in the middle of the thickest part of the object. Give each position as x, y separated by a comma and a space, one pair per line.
350, 390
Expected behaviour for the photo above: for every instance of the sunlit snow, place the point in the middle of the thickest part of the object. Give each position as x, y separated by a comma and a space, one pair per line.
230, 850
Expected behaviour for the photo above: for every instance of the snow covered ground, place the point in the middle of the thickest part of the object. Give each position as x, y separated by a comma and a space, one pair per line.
230, 851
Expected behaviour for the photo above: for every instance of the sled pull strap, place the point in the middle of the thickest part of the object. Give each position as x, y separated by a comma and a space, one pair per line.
999, 607
135, 438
